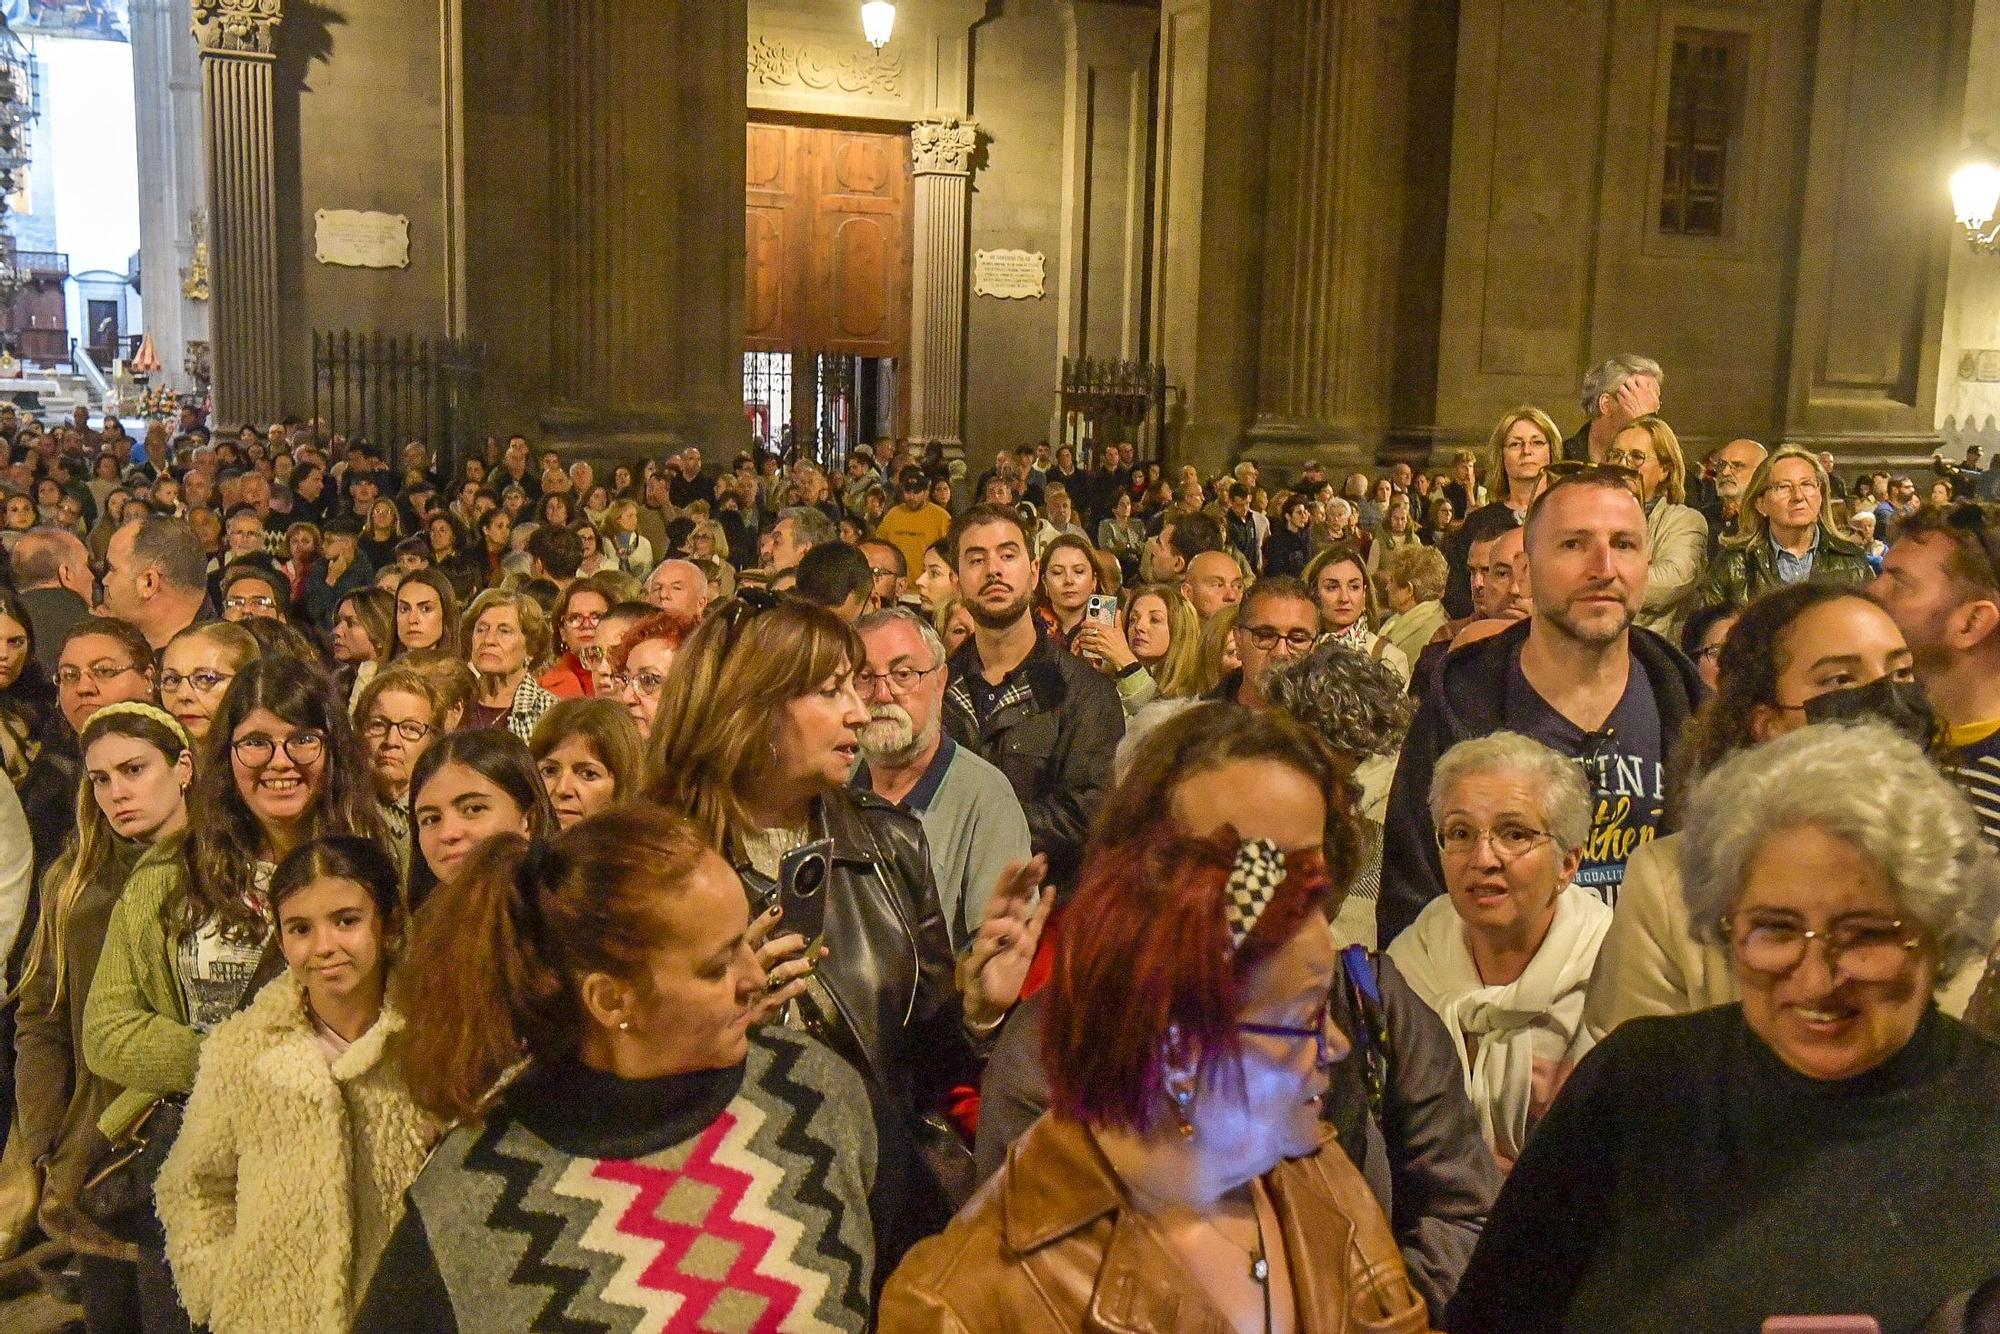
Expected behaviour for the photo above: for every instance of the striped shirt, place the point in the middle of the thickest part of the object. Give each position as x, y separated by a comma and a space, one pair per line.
1975, 766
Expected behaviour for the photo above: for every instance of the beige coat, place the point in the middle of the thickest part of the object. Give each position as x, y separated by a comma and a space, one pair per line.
1677, 546
1649, 964
288, 1174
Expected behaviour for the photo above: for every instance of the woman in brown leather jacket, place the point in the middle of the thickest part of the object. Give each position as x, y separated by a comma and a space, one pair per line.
754, 740
1183, 1179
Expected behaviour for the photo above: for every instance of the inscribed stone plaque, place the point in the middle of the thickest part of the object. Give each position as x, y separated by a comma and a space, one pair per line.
1010, 274
361, 240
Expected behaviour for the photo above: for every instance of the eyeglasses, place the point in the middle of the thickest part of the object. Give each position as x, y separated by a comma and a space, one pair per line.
1322, 1049
1458, 839
260, 603
257, 750
583, 620
103, 673
1865, 949
377, 729
1267, 637
203, 681
649, 683
902, 680
1789, 490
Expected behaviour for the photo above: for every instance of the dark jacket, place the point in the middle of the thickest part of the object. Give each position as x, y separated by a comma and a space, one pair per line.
1423, 1157
890, 972
1740, 573
1286, 552
1468, 699
1054, 746
53, 611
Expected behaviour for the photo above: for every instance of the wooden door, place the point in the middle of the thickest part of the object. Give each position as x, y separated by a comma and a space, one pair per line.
826, 241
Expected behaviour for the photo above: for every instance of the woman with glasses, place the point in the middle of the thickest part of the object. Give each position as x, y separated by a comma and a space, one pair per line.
756, 737
1702, 634
590, 755
1504, 955
196, 668
1785, 534
1808, 653
578, 610
1676, 533
103, 661
137, 765
1820, 1148
1183, 1177
398, 715
639, 663
187, 942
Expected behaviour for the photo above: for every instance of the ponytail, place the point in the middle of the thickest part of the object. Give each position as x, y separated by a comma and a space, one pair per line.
491, 976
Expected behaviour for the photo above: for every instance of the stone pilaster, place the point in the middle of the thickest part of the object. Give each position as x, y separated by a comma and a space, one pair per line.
1333, 227
238, 43
941, 152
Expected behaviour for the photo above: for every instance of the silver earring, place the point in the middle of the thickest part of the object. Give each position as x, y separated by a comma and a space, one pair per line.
624, 1025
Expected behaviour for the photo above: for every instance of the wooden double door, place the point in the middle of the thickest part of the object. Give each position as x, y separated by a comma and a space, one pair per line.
826, 238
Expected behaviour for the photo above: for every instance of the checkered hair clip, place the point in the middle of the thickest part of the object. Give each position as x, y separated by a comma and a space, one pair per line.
1253, 882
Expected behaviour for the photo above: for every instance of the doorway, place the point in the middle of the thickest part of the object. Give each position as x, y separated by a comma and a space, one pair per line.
827, 285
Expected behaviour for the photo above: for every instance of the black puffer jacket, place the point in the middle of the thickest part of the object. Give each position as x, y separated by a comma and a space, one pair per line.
891, 973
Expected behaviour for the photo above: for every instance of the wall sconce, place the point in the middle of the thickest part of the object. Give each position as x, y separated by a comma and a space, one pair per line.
1975, 196
878, 20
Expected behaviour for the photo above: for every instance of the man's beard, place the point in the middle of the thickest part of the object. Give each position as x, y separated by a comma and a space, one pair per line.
1002, 619
890, 736
1594, 635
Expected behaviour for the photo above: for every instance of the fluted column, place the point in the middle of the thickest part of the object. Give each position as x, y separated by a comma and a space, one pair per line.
238, 41
1333, 229
941, 152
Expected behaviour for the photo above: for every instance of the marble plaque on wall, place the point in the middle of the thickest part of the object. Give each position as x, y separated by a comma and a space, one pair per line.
1009, 274
361, 240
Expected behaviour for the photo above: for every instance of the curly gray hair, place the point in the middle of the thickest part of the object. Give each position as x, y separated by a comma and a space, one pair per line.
1867, 786
1565, 794
1357, 703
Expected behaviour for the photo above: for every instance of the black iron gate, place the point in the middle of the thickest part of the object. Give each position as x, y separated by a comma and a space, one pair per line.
395, 389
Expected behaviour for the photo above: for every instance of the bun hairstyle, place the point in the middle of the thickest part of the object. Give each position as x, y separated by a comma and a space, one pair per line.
494, 965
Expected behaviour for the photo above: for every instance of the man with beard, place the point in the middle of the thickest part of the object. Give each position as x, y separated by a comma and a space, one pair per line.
1045, 718
1577, 676
1733, 465
972, 822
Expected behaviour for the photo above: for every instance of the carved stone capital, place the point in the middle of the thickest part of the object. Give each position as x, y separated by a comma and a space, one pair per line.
237, 27
944, 146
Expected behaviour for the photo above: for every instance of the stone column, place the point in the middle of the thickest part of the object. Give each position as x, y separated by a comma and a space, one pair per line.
238, 41
167, 88
1333, 229
941, 153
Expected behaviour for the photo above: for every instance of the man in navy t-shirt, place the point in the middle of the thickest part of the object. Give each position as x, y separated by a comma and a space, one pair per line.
1577, 676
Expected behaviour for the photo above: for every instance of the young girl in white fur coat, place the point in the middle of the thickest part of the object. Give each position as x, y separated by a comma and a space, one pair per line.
300, 1136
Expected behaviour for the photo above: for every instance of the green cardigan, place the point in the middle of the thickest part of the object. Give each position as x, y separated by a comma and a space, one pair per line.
135, 1028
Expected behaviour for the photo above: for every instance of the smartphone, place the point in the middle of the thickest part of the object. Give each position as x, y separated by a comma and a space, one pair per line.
1822, 1324
1102, 607
802, 876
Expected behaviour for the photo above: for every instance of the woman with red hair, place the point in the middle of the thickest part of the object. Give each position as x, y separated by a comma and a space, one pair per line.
1183, 1177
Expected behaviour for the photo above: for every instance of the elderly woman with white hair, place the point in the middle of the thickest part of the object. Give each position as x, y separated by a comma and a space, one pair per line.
1822, 1147
1505, 954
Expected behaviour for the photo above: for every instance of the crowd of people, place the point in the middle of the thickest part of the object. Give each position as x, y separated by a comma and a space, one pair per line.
1554, 892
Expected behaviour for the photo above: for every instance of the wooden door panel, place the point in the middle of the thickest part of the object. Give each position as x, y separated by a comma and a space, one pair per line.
826, 241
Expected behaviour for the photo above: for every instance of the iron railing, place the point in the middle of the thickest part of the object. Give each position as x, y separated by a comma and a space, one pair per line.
1112, 402
42, 263
394, 389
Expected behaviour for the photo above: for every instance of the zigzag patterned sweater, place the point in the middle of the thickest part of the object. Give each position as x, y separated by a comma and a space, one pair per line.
725, 1200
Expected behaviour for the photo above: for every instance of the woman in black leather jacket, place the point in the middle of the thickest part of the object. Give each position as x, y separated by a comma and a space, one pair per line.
755, 739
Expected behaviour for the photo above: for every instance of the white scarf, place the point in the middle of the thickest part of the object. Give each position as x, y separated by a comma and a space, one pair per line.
1538, 1016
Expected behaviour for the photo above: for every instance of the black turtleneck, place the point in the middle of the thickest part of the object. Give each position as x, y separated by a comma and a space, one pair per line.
1688, 1179
595, 1114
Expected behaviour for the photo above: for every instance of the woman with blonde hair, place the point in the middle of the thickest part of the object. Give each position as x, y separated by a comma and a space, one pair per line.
1414, 578
1676, 533
1523, 443
198, 664
1398, 530
628, 546
138, 762
1153, 651
1785, 533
